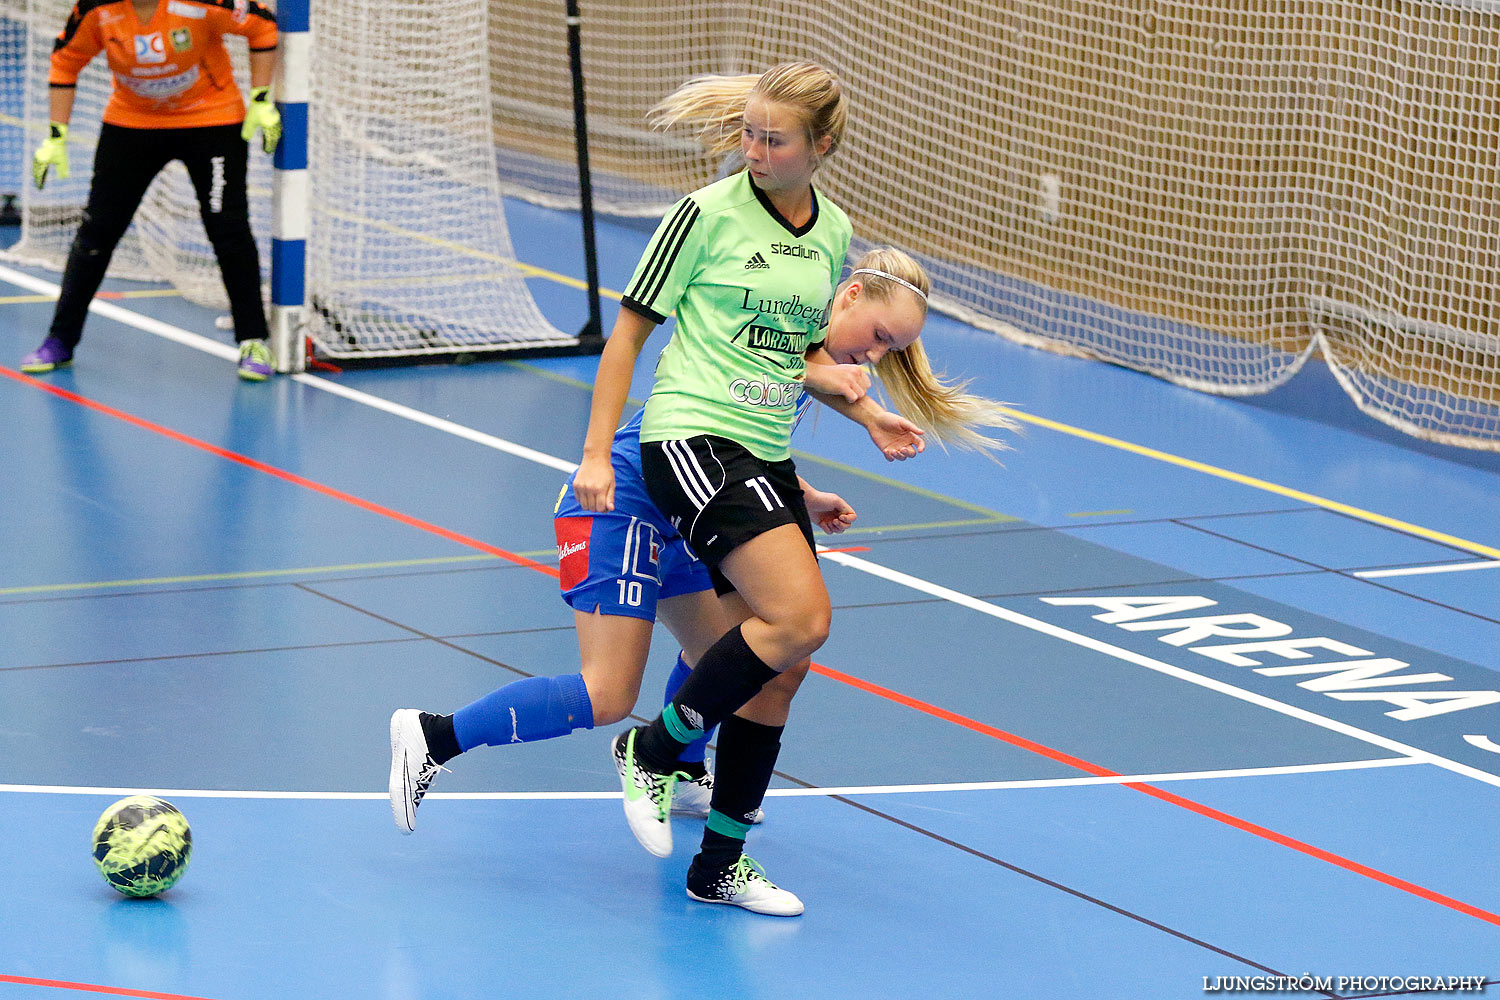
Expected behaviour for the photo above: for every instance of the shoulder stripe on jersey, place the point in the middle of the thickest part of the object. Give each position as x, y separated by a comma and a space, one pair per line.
654, 275
258, 9
75, 20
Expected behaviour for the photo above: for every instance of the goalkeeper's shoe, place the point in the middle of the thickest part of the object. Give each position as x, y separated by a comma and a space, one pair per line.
412, 767
742, 883
648, 796
692, 797
53, 354
255, 361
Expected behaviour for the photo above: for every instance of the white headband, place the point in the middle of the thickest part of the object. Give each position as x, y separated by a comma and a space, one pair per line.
886, 274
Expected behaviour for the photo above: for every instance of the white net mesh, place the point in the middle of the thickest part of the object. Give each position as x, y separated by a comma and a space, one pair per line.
1207, 192
408, 252
1211, 193
167, 241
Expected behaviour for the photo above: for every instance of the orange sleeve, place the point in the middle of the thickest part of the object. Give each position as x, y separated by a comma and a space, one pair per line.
253, 20
78, 43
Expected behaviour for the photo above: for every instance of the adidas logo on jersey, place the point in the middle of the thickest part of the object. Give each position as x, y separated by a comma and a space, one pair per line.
756, 263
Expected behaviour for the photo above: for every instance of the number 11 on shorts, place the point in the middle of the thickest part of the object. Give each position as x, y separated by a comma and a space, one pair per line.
765, 491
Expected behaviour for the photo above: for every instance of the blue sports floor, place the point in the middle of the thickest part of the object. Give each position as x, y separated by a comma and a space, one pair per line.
1189, 694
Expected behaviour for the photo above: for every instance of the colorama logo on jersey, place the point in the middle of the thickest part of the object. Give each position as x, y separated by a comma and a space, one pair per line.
756, 263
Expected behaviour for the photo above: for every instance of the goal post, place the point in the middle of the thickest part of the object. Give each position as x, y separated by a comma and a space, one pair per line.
388, 241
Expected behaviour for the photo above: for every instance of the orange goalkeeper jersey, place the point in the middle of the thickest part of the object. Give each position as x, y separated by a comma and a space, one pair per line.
170, 72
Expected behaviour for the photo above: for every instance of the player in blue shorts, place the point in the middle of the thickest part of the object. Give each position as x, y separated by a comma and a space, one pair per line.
623, 569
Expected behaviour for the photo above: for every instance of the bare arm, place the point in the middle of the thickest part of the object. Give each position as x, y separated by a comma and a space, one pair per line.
594, 483
60, 103
897, 438
262, 68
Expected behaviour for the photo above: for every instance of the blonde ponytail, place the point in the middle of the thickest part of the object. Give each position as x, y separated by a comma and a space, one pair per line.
715, 104
947, 411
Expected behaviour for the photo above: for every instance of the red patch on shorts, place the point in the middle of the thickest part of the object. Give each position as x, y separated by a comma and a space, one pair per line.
572, 549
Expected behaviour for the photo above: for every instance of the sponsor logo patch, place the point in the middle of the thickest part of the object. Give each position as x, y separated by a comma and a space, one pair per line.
573, 549
150, 48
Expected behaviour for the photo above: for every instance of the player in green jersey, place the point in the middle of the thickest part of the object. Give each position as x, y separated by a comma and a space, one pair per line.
748, 265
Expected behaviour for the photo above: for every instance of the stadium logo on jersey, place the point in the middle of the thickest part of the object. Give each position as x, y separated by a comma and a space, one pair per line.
795, 250
182, 39
150, 48
756, 263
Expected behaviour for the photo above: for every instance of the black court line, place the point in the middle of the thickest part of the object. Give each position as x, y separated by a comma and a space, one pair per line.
1121, 911
1059, 886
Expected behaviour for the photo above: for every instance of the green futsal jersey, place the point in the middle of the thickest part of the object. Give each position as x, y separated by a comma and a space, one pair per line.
751, 293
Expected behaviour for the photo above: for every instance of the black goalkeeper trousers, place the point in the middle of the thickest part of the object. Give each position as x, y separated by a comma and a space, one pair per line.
125, 163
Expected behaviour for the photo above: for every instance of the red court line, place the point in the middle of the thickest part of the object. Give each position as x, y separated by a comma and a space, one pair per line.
1171, 797
290, 477
114, 991
901, 699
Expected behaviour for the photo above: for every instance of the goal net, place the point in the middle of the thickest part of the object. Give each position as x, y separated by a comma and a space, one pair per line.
1209, 192
408, 253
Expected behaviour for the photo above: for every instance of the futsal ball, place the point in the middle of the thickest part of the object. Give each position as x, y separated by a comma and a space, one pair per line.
142, 845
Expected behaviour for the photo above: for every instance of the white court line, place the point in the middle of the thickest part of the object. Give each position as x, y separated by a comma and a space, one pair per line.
218, 349
1375, 574
953, 786
903, 579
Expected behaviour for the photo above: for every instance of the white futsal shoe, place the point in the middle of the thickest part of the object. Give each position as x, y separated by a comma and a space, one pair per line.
743, 883
412, 767
648, 796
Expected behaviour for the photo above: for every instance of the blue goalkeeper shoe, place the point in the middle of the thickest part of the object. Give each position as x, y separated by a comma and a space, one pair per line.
53, 354
255, 361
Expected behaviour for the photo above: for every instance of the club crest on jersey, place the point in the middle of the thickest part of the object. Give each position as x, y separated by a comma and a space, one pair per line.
150, 48
757, 262
182, 39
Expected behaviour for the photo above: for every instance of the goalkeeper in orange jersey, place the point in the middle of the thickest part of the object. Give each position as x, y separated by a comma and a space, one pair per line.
174, 98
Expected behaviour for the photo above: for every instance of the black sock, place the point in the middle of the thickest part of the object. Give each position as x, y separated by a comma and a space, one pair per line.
742, 772
694, 769
717, 853
726, 677
442, 744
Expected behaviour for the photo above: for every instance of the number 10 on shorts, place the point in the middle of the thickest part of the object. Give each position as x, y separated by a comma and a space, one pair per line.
630, 592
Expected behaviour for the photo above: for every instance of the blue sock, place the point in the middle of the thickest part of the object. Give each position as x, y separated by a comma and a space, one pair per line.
694, 752
536, 708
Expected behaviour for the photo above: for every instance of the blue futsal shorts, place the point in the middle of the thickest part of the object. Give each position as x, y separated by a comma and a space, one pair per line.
622, 562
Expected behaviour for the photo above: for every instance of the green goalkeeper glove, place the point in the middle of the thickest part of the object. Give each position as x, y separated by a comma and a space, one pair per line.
53, 152
261, 114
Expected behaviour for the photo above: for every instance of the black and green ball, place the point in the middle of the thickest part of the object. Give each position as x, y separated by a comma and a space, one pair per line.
142, 845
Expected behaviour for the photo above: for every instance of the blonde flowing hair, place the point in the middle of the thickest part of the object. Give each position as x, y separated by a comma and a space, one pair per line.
715, 104
947, 411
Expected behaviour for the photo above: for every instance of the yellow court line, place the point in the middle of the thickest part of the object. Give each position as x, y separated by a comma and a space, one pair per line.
1260, 484
258, 574
969, 523
144, 293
